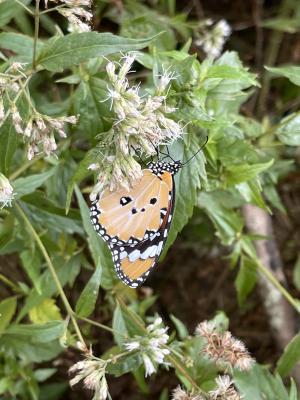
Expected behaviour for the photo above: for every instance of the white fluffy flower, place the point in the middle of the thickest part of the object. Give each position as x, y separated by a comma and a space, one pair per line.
152, 346
6, 192
212, 41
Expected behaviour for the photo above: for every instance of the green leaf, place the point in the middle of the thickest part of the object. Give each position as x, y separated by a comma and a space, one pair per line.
63, 52
86, 303
180, 327
290, 357
9, 10
23, 347
41, 333
125, 364
19, 44
246, 279
80, 173
251, 192
119, 326
245, 172
8, 145
290, 25
227, 221
260, 384
187, 184
99, 250
7, 310
48, 285
289, 130
5, 384
23, 186
46, 311
296, 273
32, 264
291, 72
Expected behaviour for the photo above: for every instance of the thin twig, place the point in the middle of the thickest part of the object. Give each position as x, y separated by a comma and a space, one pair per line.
52, 271
36, 31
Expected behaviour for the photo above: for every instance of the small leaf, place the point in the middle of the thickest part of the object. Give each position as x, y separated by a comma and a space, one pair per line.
187, 183
46, 311
290, 357
20, 44
7, 310
9, 10
291, 72
119, 326
296, 274
245, 172
29, 184
87, 300
99, 250
246, 279
180, 327
289, 130
32, 264
41, 333
63, 52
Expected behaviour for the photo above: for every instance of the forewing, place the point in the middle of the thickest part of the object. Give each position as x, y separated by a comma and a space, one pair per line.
124, 217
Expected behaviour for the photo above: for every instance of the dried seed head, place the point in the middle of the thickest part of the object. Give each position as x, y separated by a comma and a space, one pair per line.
223, 348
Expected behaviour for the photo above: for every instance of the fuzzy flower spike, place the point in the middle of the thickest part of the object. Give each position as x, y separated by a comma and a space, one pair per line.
140, 123
223, 348
6, 192
92, 371
151, 346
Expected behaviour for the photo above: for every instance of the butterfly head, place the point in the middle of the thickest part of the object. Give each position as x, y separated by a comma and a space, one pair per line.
159, 167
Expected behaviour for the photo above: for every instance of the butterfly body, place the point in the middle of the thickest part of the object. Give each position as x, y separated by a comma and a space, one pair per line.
135, 223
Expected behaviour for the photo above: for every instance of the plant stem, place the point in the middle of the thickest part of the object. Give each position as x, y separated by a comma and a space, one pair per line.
36, 31
278, 285
99, 325
52, 271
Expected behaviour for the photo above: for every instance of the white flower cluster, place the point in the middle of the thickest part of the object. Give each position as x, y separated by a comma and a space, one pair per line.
212, 40
141, 123
152, 346
39, 133
75, 14
92, 372
6, 192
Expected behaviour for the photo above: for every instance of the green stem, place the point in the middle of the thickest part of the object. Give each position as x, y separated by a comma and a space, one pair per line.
99, 325
52, 9
278, 285
36, 31
52, 271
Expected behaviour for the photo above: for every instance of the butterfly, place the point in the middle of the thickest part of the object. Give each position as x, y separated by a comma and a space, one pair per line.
135, 223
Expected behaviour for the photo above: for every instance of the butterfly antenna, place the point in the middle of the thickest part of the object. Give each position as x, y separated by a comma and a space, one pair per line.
137, 154
193, 156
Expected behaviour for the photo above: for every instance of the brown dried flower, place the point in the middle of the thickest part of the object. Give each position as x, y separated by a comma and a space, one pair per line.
223, 348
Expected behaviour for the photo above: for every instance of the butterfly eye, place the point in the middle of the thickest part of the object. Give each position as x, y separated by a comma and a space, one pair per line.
125, 200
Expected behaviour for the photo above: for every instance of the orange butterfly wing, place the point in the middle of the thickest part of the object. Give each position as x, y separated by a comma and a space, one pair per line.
135, 223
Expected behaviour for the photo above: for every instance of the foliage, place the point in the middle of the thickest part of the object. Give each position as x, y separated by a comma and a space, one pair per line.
60, 78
